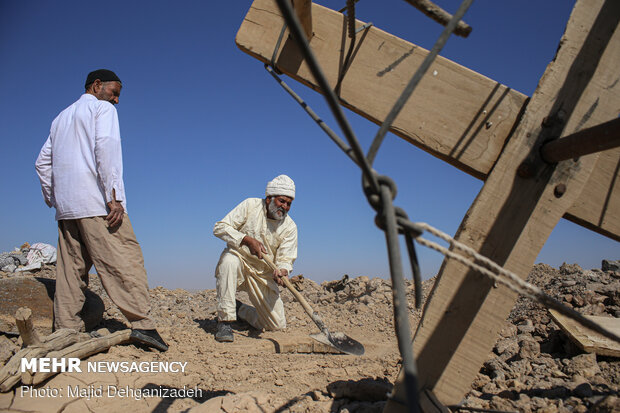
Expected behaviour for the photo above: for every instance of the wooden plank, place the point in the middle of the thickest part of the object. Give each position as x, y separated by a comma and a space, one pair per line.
512, 216
598, 205
455, 114
303, 10
588, 340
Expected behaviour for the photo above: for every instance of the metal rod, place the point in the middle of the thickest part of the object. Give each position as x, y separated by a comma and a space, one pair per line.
413, 83
333, 136
399, 297
329, 95
595, 139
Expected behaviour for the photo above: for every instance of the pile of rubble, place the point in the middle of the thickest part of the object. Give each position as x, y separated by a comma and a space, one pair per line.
27, 257
533, 367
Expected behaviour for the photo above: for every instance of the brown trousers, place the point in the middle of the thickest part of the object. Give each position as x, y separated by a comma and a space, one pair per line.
118, 259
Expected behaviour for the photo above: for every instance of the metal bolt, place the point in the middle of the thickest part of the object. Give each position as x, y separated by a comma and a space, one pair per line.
559, 190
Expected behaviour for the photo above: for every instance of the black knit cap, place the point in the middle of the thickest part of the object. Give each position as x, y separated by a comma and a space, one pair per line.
104, 75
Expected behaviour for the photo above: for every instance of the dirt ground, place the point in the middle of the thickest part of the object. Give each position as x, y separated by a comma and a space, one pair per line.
533, 368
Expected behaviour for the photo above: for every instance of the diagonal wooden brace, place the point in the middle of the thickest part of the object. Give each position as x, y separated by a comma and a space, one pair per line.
512, 216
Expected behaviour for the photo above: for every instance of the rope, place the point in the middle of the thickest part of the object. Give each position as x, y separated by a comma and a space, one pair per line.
379, 195
334, 137
507, 278
380, 192
399, 297
330, 96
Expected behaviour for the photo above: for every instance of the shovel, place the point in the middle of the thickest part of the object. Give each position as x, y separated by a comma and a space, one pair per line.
339, 341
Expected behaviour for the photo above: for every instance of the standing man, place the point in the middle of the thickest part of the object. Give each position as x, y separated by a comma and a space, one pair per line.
81, 171
254, 228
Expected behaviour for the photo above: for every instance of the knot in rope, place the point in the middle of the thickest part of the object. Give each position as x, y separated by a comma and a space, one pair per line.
400, 216
374, 196
376, 202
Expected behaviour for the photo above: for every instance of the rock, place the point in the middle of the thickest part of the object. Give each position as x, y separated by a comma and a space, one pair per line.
38, 293
583, 364
334, 286
496, 368
318, 396
480, 381
363, 390
7, 349
373, 285
578, 301
568, 269
528, 348
510, 330
526, 327
507, 347
609, 404
609, 265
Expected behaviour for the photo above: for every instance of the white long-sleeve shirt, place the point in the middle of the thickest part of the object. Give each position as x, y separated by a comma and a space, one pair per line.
81, 162
278, 237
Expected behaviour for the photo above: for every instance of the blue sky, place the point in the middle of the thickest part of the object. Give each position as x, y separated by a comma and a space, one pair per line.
204, 126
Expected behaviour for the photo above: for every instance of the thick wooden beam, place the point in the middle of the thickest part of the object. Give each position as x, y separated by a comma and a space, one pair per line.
303, 10
513, 215
455, 114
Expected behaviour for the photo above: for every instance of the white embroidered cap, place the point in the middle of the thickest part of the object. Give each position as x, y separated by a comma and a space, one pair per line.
281, 185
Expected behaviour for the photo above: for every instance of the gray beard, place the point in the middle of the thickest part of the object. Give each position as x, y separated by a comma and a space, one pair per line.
276, 213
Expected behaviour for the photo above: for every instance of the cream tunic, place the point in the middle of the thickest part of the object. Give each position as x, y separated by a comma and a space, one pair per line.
278, 237
248, 272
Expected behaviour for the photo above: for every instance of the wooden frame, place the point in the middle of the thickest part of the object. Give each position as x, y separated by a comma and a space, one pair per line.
492, 133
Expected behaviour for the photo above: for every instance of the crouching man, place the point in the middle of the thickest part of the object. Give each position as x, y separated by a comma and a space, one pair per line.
254, 228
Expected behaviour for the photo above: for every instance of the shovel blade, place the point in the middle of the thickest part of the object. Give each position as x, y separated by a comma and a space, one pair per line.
341, 342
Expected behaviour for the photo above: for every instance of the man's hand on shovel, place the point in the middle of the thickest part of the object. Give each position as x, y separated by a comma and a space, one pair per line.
257, 248
278, 274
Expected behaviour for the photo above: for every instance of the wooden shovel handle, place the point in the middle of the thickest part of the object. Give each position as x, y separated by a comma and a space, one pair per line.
293, 290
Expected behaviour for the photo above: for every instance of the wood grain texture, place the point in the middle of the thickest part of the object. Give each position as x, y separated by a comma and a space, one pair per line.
512, 217
455, 114
590, 341
303, 10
